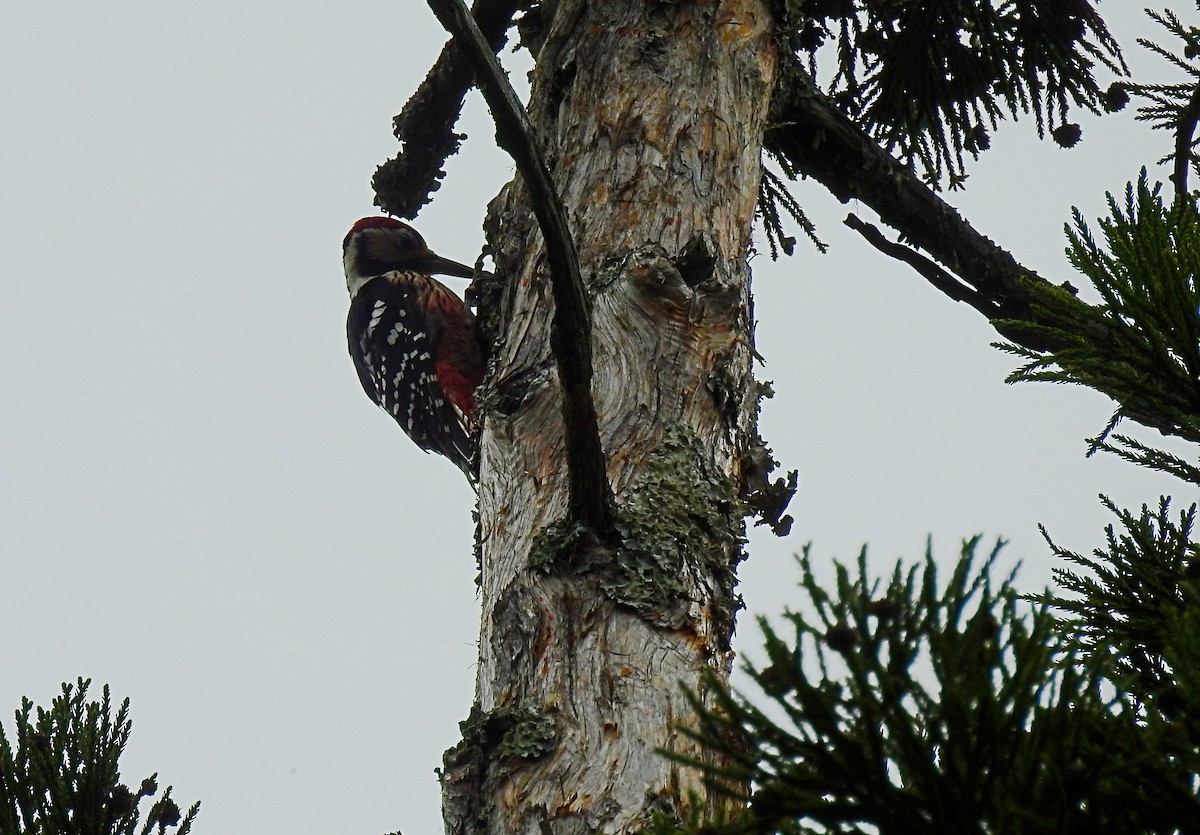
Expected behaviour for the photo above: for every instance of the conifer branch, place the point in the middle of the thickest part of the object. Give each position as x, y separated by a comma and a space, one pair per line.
909, 703
823, 143
1174, 107
1148, 360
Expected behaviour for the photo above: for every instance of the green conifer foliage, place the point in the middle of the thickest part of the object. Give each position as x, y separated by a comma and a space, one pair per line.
63, 778
908, 704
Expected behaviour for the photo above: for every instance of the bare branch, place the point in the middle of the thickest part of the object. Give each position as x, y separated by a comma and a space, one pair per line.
570, 334
936, 276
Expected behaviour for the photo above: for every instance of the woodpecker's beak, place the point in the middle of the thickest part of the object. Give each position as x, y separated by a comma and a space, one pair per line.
431, 264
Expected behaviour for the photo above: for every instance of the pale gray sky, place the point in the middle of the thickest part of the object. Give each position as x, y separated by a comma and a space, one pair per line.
203, 510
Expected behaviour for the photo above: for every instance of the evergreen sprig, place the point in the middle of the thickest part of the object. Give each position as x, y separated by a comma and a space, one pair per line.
63, 776
1134, 608
1126, 601
923, 707
929, 80
773, 196
1141, 344
1175, 107
1136, 452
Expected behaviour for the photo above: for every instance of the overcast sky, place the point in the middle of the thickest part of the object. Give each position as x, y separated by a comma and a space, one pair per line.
202, 509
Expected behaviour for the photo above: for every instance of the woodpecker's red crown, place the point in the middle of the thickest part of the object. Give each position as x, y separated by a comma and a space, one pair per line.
378, 245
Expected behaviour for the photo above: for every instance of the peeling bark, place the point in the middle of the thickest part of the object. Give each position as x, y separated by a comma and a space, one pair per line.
651, 115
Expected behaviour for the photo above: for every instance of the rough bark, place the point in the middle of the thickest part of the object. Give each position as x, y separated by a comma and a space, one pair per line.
651, 115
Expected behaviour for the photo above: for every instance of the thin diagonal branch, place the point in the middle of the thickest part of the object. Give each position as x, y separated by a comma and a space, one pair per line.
934, 274
570, 331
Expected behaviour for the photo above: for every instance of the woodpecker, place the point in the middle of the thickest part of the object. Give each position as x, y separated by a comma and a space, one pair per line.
413, 341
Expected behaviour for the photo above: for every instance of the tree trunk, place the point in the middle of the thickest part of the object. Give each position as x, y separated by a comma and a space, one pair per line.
651, 114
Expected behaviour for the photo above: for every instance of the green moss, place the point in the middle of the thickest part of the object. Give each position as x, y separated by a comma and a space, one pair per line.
491, 747
528, 734
520, 731
683, 517
554, 544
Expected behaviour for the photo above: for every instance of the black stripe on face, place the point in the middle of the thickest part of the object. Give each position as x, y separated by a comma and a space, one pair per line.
381, 250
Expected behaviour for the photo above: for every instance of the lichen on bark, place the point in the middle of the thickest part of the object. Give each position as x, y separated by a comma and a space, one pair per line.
681, 518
